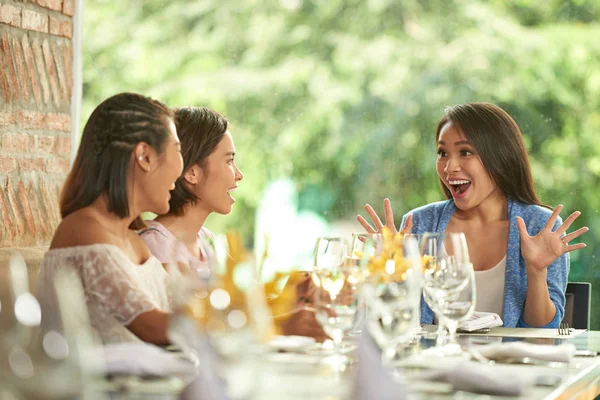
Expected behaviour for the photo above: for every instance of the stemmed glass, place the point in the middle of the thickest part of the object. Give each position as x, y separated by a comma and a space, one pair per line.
393, 296
45, 351
448, 283
231, 319
336, 294
356, 266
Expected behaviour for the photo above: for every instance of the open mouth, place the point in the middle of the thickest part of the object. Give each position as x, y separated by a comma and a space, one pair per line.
230, 192
459, 186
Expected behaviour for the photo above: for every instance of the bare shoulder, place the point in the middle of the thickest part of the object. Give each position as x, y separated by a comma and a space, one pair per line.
80, 228
138, 244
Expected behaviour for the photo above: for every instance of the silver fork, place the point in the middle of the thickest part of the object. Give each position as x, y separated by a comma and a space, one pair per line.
563, 329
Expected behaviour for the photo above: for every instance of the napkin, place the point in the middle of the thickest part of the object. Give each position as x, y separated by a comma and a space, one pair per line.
481, 320
496, 351
479, 378
206, 386
373, 381
143, 359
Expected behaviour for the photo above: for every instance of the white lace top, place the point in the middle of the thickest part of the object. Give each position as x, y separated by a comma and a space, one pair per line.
116, 289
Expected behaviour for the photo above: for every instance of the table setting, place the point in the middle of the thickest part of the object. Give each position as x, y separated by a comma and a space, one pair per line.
367, 298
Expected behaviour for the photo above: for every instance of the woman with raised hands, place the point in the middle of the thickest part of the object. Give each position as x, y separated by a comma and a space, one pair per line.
519, 247
127, 163
210, 177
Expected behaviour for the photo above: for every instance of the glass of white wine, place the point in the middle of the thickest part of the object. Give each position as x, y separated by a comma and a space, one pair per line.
336, 297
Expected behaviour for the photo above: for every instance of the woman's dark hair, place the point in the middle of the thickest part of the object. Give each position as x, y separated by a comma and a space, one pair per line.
104, 155
499, 141
200, 130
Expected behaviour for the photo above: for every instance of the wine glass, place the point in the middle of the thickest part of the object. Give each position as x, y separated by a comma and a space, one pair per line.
45, 354
448, 283
231, 311
364, 246
336, 303
355, 265
393, 296
336, 292
329, 252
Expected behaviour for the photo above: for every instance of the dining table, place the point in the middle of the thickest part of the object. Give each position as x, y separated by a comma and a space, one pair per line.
313, 373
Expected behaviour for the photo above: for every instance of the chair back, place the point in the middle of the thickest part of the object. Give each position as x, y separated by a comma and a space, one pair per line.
578, 305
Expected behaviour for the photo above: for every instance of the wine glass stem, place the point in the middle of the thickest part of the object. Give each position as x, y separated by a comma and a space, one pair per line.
388, 355
452, 326
441, 336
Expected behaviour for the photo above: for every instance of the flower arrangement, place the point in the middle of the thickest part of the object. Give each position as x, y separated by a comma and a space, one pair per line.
388, 263
262, 303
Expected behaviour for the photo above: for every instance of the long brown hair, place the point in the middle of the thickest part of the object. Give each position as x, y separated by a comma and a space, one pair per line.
200, 130
103, 158
499, 143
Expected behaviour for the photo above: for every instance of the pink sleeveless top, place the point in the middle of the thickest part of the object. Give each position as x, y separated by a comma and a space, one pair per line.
165, 246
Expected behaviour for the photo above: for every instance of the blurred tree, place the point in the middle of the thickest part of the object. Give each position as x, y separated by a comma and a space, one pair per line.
343, 95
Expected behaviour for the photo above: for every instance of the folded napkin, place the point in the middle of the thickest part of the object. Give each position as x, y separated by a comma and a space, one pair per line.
479, 378
143, 359
496, 351
206, 386
481, 320
373, 381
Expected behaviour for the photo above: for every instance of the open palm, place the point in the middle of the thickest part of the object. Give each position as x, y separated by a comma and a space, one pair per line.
543, 249
389, 220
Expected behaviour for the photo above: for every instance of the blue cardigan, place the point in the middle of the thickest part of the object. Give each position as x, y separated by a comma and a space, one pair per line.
434, 217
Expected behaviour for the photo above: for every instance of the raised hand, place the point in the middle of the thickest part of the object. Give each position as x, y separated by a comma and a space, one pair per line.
543, 249
389, 219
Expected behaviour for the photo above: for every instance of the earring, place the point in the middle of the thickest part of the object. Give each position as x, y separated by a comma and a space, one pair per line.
140, 158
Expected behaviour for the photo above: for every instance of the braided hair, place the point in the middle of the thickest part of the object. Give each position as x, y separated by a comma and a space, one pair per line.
113, 130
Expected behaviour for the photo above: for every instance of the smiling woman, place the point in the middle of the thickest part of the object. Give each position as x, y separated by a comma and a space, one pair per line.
210, 176
126, 164
484, 172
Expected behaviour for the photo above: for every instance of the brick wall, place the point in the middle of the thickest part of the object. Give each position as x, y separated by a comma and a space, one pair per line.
35, 117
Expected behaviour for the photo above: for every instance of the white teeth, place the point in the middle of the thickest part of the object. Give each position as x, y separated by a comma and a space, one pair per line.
459, 182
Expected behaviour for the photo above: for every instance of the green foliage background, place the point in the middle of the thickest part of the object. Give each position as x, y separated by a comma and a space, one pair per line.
343, 95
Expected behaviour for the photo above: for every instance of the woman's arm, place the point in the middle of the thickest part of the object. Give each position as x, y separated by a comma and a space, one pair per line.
151, 327
539, 309
547, 264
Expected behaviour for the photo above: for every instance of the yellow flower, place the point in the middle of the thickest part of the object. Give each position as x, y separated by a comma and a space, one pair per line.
390, 265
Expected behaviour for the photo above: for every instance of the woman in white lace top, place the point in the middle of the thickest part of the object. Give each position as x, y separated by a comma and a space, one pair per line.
127, 163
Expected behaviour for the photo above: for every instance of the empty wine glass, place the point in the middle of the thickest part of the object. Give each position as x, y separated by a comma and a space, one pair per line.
232, 312
355, 266
393, 296
448, 273
46, 354
330, 252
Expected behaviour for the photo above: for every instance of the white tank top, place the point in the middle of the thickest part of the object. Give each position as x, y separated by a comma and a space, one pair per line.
489, 285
